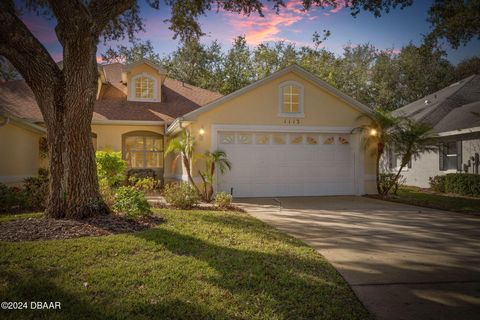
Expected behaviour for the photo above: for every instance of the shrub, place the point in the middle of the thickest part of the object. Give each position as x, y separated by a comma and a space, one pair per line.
223, 200
110, 167
131, 201
144, 184
387, 182
36, 191
437, 183
466, 184
141, 173
181, 195
107, 193
11, 198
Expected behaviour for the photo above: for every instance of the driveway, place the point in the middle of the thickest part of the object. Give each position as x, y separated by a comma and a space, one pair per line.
403, 262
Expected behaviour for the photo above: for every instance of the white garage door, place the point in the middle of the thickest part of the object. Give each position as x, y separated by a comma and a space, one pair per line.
287, 164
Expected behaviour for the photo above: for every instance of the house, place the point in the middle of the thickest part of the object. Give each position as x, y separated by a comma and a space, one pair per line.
289, 134
454, 114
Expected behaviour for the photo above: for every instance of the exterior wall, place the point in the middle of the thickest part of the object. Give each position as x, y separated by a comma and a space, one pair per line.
428, 165
19, 154
260, 106
109, 137
144, 68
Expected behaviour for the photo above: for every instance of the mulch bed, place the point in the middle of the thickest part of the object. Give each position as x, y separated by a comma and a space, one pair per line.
33, 229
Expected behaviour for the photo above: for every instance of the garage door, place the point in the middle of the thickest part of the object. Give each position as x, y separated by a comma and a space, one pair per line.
268, 164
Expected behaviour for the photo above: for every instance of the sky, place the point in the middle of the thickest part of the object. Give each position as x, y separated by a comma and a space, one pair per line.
391, 31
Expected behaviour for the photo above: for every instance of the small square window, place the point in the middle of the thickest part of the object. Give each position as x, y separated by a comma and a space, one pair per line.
296, 139
227, 138
244, 138
279, 138
262, 138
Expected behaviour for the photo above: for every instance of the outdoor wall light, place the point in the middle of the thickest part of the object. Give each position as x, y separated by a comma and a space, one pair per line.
201, 131
373, 132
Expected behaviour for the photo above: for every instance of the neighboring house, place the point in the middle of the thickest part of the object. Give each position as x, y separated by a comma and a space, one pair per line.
454, 113
289, 134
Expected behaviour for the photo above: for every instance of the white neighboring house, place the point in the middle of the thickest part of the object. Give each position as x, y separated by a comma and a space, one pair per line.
454, 113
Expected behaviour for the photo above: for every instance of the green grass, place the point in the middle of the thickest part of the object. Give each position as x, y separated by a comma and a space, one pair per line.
425, 198
8, 217
197, 265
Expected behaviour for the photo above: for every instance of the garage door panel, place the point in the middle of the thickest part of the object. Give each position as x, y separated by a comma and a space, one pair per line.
270, 170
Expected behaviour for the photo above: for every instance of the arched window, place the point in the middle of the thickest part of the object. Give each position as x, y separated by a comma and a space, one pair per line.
291, 99
144, 87
143, 149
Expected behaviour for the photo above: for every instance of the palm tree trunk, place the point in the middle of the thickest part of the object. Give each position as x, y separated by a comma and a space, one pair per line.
186, 163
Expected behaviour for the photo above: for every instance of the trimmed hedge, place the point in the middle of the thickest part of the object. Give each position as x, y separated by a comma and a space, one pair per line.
463, 183
466, 184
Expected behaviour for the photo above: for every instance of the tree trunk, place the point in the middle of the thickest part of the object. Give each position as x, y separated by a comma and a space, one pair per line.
74, 191
186, 163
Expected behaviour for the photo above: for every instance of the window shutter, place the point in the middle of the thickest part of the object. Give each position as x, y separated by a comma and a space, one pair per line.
459, 156
441, 156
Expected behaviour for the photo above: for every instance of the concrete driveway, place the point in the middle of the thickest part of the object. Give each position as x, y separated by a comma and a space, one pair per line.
403, 262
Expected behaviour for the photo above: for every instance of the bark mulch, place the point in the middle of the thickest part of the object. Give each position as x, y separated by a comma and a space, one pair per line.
33, 229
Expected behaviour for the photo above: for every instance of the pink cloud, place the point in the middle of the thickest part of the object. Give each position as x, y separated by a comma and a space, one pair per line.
340, 6
260, 29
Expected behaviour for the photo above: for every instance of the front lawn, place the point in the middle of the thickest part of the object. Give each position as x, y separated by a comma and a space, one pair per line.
421, 197
196, 265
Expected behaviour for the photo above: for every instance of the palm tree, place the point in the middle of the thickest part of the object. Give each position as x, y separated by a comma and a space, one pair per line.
217, 159
184, 146
413, 139
380, 132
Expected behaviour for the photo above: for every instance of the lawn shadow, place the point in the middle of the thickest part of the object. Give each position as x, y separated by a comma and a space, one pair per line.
288, 287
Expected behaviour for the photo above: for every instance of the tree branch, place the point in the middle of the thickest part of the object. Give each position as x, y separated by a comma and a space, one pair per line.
25, 52
104, 11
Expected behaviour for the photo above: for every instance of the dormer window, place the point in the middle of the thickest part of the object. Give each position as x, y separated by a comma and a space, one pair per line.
291, 100
144, 88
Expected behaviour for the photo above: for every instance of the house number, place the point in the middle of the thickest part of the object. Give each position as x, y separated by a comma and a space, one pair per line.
291, 121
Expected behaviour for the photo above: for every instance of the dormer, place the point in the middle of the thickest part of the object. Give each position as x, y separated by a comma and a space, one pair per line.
144, 81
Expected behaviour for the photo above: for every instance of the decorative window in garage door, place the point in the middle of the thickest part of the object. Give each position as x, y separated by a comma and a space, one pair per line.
227, 138
279, 138
244, 138
311, 139
343, 140
296, 139
328, 140
262, 138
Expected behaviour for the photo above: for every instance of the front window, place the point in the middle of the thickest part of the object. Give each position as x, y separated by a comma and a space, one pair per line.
291, 99
143, 150
450, 155
144, 88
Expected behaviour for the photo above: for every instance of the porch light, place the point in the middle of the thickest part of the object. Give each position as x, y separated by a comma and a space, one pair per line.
373, 132
201, 131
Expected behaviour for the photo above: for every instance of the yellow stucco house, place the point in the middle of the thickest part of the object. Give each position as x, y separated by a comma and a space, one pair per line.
289, 134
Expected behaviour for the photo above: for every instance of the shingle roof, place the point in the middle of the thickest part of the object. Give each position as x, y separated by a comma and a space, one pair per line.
452, 108
17, 99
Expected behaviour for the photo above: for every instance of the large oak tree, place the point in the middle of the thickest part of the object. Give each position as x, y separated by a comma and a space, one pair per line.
66, 95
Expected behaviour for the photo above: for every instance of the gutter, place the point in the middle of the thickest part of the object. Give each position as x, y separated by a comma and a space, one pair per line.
129, 122
23, 123
459, 131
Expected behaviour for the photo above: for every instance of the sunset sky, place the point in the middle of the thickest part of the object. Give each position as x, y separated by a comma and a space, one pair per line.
392, 30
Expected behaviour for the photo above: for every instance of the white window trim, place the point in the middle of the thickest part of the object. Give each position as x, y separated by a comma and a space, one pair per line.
301, 113
155, 88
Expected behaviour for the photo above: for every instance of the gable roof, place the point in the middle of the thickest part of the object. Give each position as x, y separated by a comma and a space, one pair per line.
451, 108
292, 68
178, 98
129, 67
